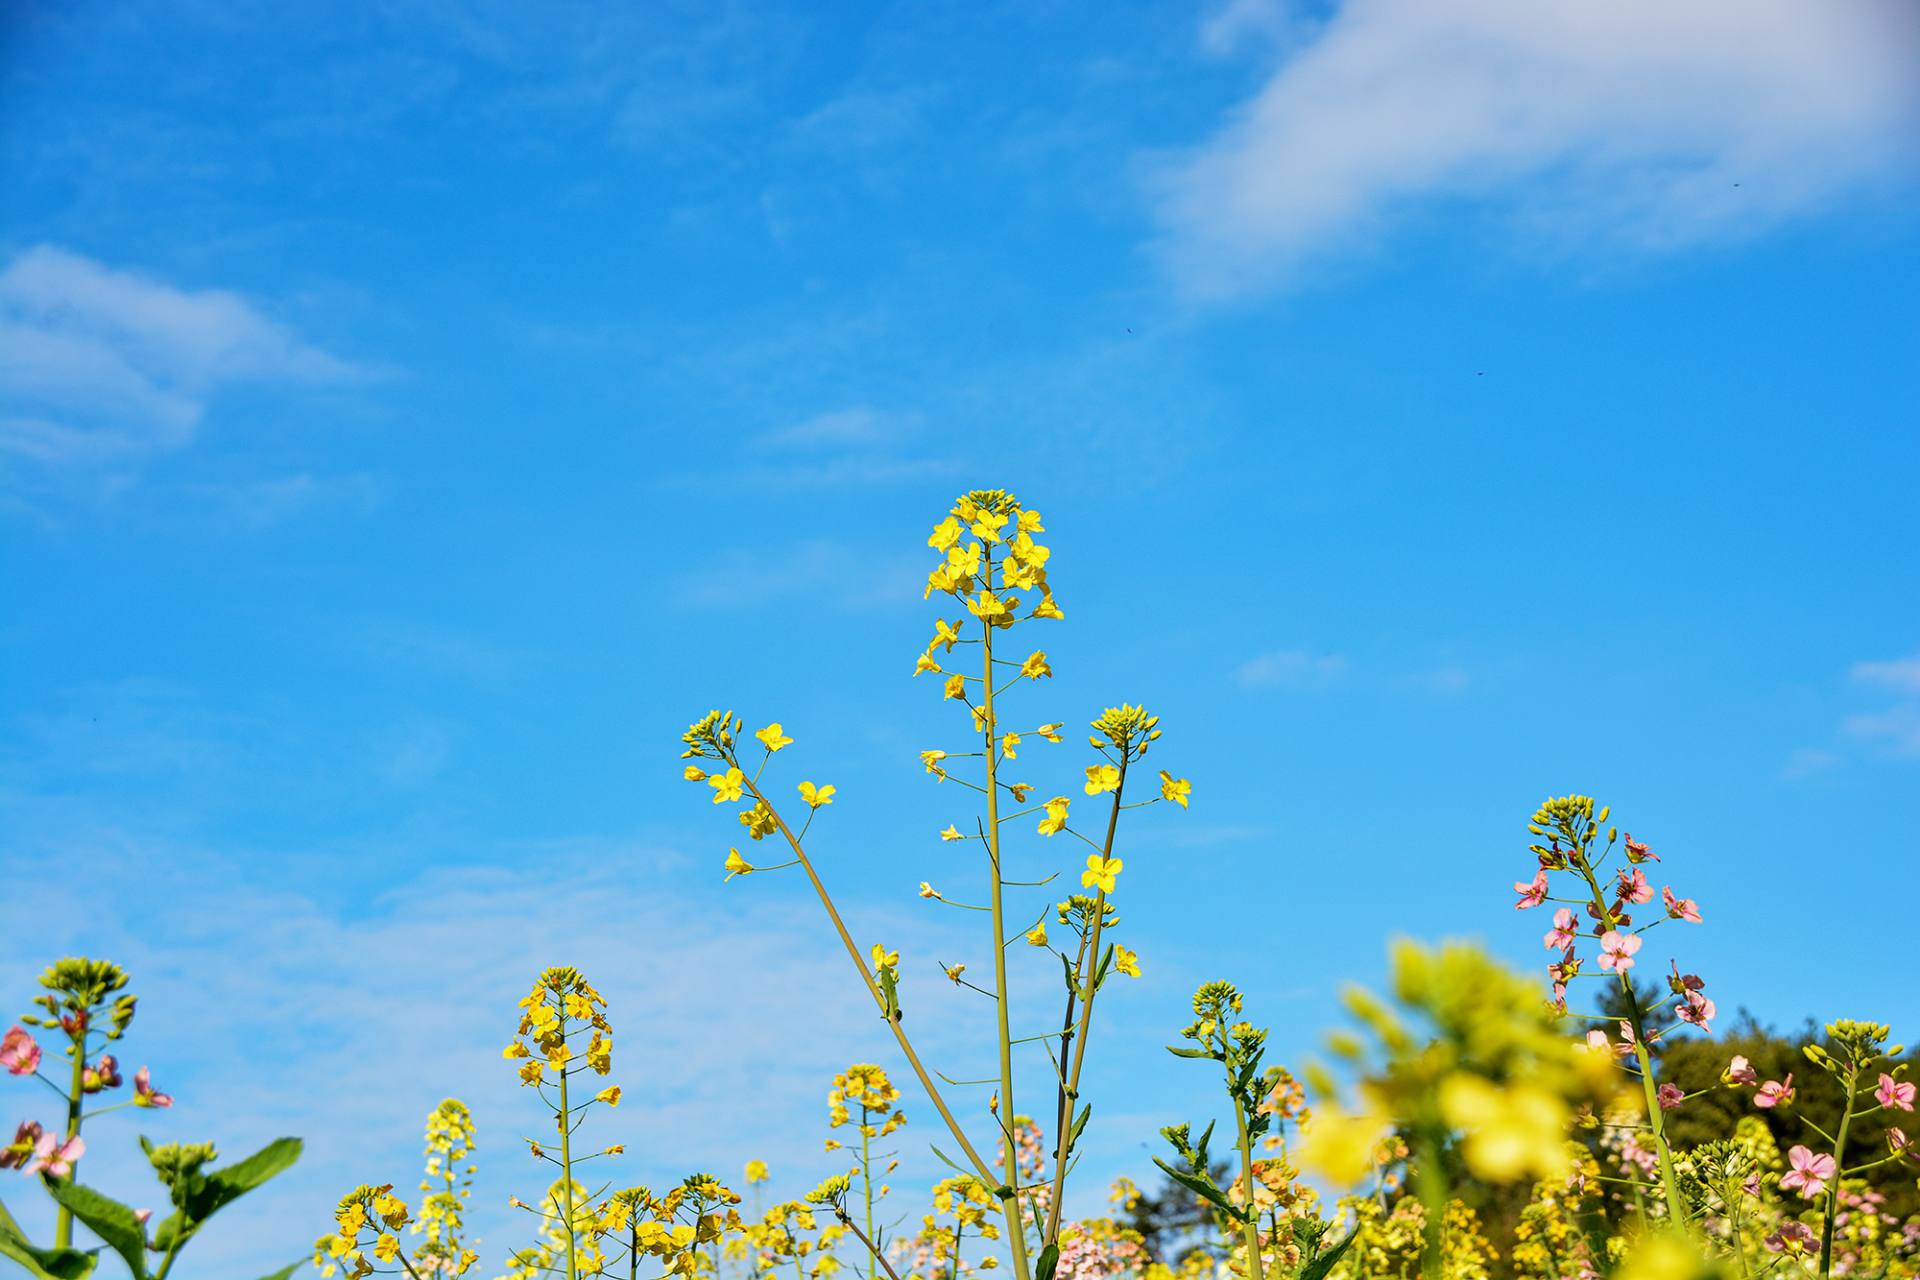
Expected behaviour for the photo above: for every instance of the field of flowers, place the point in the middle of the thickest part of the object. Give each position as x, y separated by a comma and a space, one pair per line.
1471, 1121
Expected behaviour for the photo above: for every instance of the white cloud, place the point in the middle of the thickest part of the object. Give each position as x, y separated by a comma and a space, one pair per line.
101, 365
1296, 669
1630, 121
1900, 673
1898, 728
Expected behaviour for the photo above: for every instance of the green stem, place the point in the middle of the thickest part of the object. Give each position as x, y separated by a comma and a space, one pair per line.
1091, 958
63, 1223
1016, 1227
1251, 1227
1431, 1180
566, 1164
866, 1178
1833, 1192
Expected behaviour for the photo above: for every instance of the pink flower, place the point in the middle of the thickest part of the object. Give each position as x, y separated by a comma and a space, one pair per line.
1598, 1042
1670, 1096
1679, 908
16, 1153
143, 1092
1616, 950
104, 1074
1634, 886
1696, 1009
1810, 1173
1775, 1093
1532, 892
1897, 1140
55, 1158
143, 1216
1681, 983
19, 1052
1740, 1071
1637, 852
1562, 934
1894, 1093
1792, 1237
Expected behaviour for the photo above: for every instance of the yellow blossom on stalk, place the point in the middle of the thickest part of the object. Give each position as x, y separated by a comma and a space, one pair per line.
945, 535
928, 891
1056, 819
1100, 871
1020, 791
945, 634
1101, 778
925, 663
953, 971
756, 1171
759, 821
1051, 732
1038, 934
1008, 743
737, 865
1127, 962
883, 958
1509, 1132
1045, 609
1175, 789
932, 759
956, 686
609, 1095
694, 773
726, 786
990, 609
1036, 666
816, 796
952, 833
772, 738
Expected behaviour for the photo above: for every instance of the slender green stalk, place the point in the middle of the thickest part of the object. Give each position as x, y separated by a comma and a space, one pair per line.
566, 1163
1251, 1228
1839, 1169
866, 1178
76, 1092
1084, 971
1016, 1229
1669, 1182
981, 1167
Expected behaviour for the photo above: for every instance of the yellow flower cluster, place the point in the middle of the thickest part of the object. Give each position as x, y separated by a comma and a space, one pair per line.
979, 523
867, 1087
562, 1003
1494, 1066
365, 1222
448, 1185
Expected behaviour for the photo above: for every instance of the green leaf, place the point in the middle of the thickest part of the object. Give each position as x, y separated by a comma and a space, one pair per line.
1324, 1261
286, 1272
42, 1264
1178, 1052
107, 1218
1048, 1260
1073, 1134
1201, 1187
223, 1186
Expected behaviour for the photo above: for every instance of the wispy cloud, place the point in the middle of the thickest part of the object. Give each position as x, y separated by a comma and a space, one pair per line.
1292, 669
1902, 674
1636, 122
829, 571
853, 447
101, 366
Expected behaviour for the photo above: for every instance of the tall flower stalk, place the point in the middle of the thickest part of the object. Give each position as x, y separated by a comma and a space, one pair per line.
990, 564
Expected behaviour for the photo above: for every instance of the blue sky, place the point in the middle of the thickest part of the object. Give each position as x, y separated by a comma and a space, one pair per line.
412, 420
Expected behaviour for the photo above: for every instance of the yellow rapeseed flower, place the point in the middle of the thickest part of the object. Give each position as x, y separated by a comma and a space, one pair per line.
1056, 819
1175, 789
816, 796
1102, 777
1100, 871
1126, 962
737, 865
772, 739
726, 786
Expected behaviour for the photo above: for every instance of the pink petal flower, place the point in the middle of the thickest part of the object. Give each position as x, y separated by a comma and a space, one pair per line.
1894, 1093
1740, 1071
1775, 1093
19, 1052
1698, 1010
1532, 892
1634, 886
1562, 934
16, 1154
55, 1158
143, 1092
1810, 1173
1616, 950
1637, 852
1680, 908
1670, 1096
